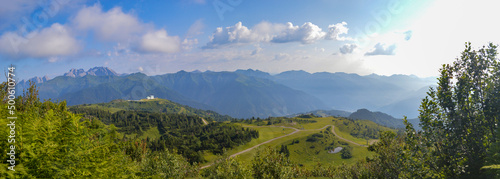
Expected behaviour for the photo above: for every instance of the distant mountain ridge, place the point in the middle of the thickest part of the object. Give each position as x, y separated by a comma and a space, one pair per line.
245, 93
398, 95
228, 93
96, 71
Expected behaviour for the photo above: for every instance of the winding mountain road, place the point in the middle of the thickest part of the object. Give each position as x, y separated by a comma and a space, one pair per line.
296, 130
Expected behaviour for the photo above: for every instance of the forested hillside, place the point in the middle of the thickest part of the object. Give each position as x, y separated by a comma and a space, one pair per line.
157, 105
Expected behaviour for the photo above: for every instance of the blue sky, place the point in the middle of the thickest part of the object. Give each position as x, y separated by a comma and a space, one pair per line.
49, 37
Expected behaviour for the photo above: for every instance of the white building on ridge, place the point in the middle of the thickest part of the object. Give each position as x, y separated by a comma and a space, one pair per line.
150, 97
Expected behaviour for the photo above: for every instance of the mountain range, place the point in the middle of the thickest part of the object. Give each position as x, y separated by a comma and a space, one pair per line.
398, 95
243, 93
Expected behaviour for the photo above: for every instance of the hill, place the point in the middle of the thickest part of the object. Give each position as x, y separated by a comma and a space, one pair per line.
157, 106
381, 118
326, 113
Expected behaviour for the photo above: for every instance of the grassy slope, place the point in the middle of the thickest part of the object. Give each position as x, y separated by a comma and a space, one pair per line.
301, 152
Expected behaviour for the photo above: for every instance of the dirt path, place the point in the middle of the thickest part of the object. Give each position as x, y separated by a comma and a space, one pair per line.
344, 139
258, 145
273, 139
204, 121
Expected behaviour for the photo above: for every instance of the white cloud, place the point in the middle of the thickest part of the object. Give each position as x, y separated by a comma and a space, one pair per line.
55, 40
160, 42
236, 34
335, 30
347, 48
306, 34
382, 49
275, 33
114, 25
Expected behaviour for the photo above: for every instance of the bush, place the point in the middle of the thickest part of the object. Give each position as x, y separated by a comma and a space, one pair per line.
226, 167
345, 153
269, 163
311, 139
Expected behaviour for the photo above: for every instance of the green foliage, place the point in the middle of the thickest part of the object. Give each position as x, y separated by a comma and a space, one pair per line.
158, 106
361, 129
227, 168
346, 152
185, 133
52, 142
458, 118
284, 150
275, 121
494, 150
269, 163
166, 164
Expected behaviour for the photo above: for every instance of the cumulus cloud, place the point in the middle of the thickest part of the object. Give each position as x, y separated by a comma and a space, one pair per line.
111, 25
274, 33
382, 49
52, 41
347, 48
306, 34
236, 34
160, 42
335, 30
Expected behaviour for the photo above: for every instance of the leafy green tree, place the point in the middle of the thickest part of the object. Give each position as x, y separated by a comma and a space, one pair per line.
227, 168
346, 152
284, 150
166, 164
458, 117
269, 163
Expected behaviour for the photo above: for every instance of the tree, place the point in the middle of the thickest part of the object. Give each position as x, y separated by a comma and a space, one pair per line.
227, 167
346, 152
458, 117
269, 163
284, 150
